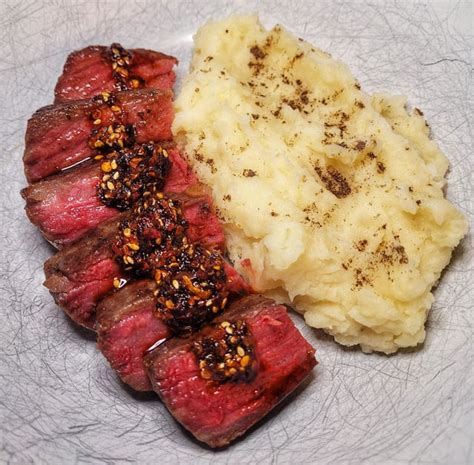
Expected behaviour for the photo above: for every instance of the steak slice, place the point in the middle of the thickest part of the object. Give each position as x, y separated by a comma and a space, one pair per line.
128, 325
89, 71
59, 136
66, 206
81, 274
126, 328
218, 401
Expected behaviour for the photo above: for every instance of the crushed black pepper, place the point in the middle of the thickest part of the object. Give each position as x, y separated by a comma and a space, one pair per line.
361, 245
380, 167
361, 279
248, 173
391, 253
334, 181
257, 52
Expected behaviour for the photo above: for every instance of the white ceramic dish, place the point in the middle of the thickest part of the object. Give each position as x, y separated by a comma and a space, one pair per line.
60, 402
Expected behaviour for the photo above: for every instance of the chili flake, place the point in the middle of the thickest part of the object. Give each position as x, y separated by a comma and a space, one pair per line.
114, 136
121, 60
131, 172
229, 356
191, 287
154, 230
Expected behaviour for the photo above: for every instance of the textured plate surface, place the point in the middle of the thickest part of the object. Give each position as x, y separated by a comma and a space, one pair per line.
60, 403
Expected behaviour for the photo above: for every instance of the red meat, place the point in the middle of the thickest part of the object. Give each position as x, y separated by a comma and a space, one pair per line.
217, 411
82, 273
66, 206
59, 136
128, 325
88, 72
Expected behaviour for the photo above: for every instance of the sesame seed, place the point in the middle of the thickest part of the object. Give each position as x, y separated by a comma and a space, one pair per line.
106, 167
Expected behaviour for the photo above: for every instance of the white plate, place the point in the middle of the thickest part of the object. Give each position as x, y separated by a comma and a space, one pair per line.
61, 403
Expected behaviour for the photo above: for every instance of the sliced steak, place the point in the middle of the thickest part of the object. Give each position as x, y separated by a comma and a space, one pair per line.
66, 206
95, 69
126, 328
128, 324
81, 274
59, 136
221, 380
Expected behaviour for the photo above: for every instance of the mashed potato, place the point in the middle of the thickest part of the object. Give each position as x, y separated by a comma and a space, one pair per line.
328, 194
